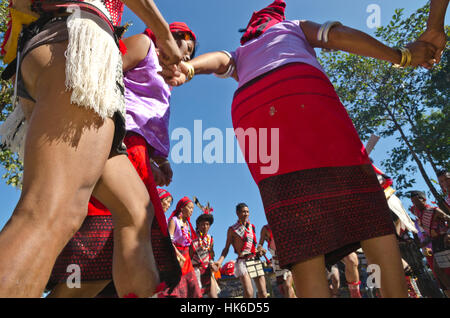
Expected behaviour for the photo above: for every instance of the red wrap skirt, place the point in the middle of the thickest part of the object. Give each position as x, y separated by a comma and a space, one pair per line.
188, 286
319, 190
92, 246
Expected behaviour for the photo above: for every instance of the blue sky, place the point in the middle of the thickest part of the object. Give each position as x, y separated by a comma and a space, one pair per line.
208, 99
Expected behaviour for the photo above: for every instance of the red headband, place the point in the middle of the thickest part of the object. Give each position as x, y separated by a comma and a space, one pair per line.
182, 27
163, 193
181, 204
174, 27
262, 20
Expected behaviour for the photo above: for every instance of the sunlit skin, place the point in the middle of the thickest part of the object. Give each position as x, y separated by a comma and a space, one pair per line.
137, 50
166, 203
203, 229
233, 239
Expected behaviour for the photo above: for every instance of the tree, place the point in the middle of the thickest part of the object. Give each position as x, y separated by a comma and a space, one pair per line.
8, 159
409, 104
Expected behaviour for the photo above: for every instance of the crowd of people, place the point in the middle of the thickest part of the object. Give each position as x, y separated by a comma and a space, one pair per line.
91, 126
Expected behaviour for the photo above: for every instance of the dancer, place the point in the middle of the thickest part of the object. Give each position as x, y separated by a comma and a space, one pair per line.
243, 238
166, 199
283, 90
283, 276
202, 255
183, 234
436, 225
147, 112
72, 137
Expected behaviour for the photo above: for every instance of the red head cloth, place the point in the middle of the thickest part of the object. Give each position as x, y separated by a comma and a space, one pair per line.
163, 193
174, 27
262, 20
181, 204
182, 27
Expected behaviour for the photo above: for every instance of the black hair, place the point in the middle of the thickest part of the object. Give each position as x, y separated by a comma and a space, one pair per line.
441, 172
416, 193
182, 38
205, 217
240, 206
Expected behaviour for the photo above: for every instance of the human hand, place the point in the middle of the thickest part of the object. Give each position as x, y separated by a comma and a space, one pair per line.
437, 38
214, 267
175, 76
217, 265
422, 54
181, 259
168, 52
261, 251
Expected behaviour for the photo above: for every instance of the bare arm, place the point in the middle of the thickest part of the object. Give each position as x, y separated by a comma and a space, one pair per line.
438, 8
208, 63
226, 248
137, 49
350, 40
262, 236
435, 33
148, 12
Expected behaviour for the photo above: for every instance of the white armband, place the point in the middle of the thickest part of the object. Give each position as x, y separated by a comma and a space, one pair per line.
230, 70
322, 34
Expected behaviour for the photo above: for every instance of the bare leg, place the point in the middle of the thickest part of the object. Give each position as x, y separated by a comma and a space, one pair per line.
66, 149
351, 267
335, 282
289, 289
89, 289
310, 278
384, 252
247, 286
352, 275
213, 288
125, 195
261, 286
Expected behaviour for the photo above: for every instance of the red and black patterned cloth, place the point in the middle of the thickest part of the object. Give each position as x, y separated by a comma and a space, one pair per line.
324, 197
247, 233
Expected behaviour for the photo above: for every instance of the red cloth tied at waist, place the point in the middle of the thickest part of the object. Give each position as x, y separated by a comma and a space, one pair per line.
294, 115
138, 155
187, 266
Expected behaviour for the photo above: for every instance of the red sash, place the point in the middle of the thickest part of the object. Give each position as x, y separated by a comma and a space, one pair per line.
248, 236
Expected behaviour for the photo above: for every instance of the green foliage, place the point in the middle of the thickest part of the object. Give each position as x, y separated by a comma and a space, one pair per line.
410, 105
8, 159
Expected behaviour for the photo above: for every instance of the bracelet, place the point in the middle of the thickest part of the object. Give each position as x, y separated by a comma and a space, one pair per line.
191, 72
406, 58
230, 69
322, 34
